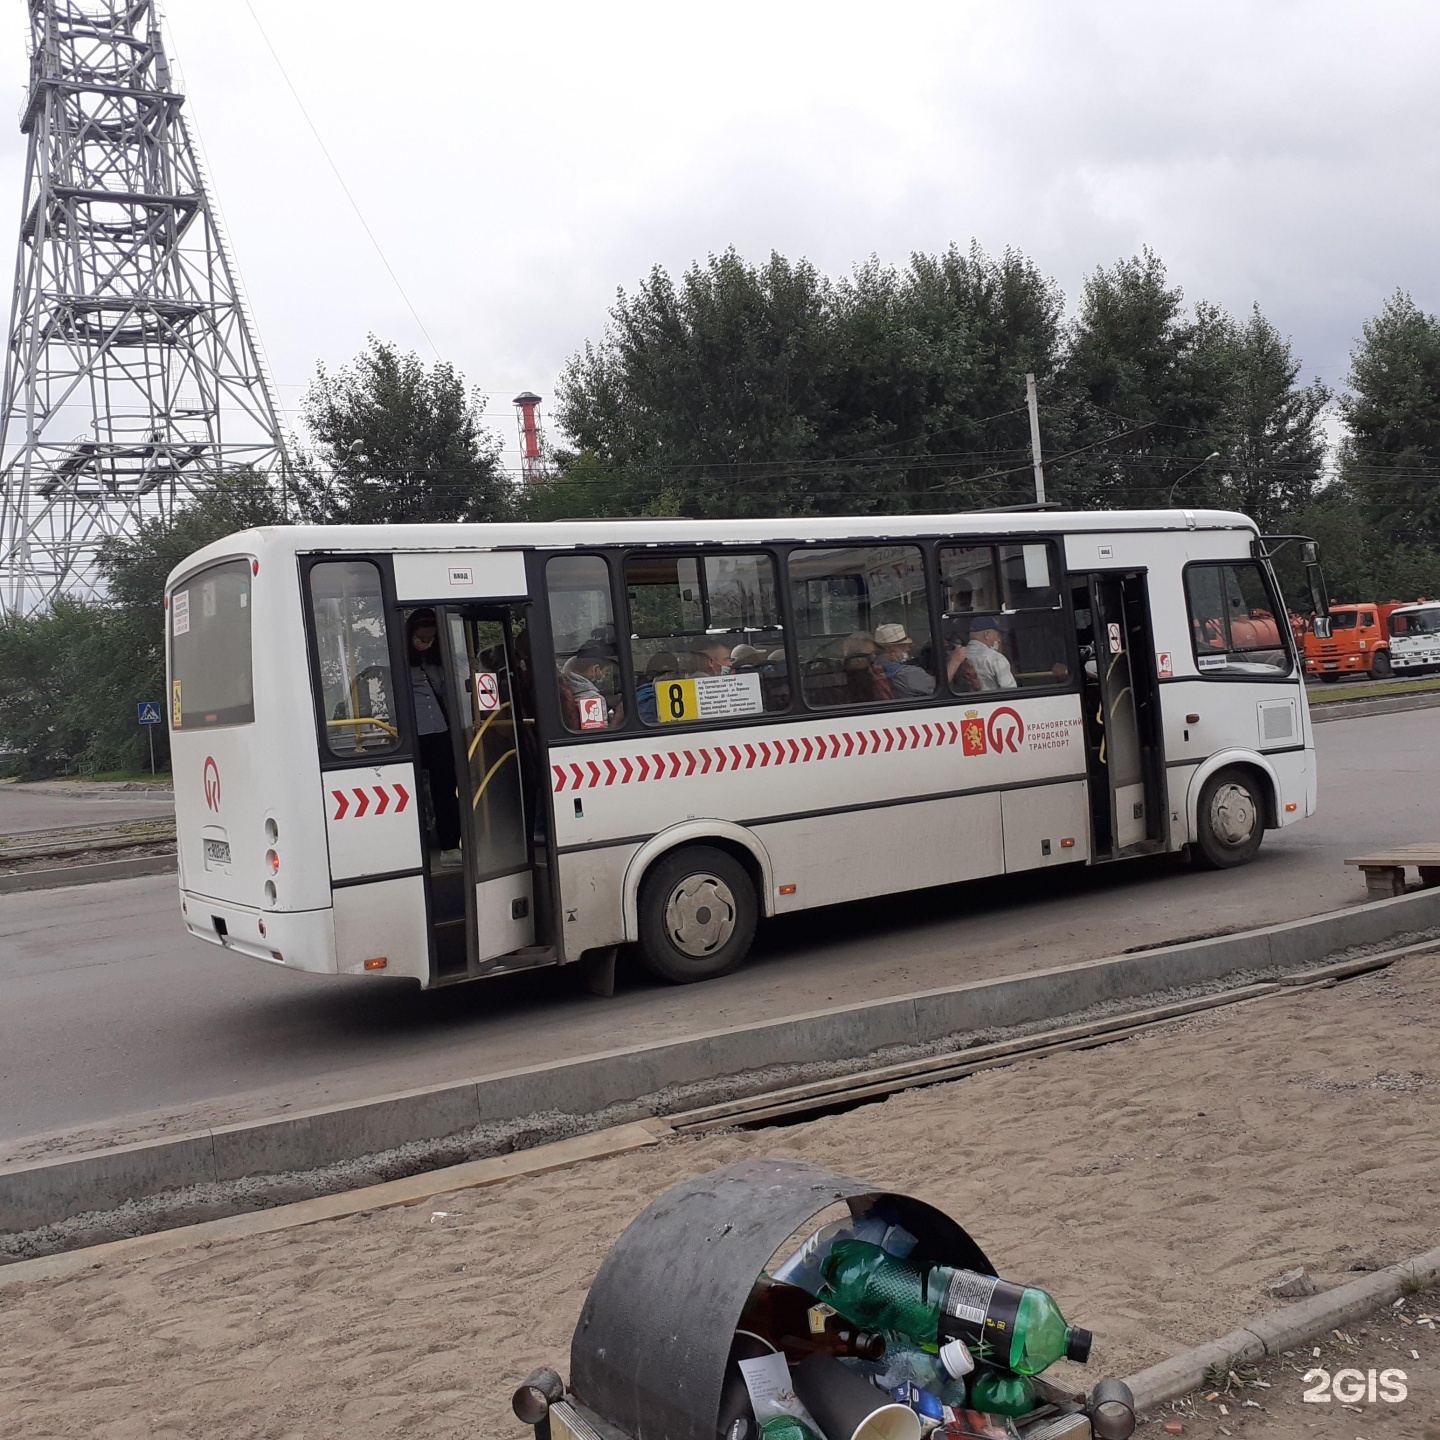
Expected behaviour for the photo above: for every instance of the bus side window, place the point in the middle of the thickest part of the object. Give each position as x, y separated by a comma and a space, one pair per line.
582, 623
711, 620
354, 658
862, 619
1003, 608
1233, 620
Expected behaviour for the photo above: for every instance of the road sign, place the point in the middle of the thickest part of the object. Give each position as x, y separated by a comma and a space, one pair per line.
148, 712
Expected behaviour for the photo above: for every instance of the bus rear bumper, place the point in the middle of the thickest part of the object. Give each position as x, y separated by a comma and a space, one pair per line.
297, 939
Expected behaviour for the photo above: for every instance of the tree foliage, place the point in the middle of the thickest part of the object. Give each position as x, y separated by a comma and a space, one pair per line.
396, 443
1391, 460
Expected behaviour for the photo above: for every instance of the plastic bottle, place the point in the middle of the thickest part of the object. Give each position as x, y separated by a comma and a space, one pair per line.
787, 1427
792, 1321
996, 1392
942, 1375
803, 1267
1014, 1326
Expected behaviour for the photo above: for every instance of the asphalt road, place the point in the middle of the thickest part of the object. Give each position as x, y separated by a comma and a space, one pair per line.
55, 807
115, 1025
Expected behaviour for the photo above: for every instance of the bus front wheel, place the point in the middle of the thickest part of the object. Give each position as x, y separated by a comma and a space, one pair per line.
1230, 819
697, 914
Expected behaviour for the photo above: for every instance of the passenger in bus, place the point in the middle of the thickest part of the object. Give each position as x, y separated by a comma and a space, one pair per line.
712, 657
659, 667
985, 654
432, 729
589, 675
747, 657
893, 651
865, 681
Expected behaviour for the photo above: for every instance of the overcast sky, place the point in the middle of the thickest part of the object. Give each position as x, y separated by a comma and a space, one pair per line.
519, 163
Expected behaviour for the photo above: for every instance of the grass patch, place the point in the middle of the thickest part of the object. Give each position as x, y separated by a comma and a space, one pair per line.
1322, 694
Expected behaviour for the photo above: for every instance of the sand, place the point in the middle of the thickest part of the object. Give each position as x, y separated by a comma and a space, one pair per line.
1153, 1185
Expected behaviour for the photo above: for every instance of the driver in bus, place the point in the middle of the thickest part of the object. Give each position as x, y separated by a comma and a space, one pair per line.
432, 728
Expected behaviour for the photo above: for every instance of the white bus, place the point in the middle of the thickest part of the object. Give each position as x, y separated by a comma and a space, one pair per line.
450, 751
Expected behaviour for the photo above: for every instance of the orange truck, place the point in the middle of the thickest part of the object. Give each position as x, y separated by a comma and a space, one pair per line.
1358, 643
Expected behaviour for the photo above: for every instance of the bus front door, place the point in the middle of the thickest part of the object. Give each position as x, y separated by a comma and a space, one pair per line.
490, 767
1122, 714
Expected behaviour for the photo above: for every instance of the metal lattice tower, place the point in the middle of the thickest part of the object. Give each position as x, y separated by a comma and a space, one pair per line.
131, 374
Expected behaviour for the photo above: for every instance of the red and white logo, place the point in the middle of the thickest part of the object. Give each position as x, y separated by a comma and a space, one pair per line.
212, 784
1005, 730
972, 734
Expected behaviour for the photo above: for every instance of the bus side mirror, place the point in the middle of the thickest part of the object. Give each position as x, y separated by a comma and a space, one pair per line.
1319, 595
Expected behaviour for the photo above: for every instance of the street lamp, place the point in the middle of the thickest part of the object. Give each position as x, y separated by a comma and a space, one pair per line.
1213, 455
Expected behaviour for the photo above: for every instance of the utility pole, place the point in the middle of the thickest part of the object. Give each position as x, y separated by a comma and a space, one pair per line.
1034, 404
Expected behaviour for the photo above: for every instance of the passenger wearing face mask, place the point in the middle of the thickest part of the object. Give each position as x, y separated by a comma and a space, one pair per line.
986, 637
432, 725
712, 657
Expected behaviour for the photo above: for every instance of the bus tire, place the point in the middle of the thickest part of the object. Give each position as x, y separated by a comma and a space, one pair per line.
1230, 819
1380, 666
697, 914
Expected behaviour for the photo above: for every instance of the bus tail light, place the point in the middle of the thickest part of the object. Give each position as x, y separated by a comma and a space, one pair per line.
787, 889
273, 861
379, 963
1068, 844
276, 955
1292, 807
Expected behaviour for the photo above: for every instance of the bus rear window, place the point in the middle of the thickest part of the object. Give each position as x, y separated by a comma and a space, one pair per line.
211, 680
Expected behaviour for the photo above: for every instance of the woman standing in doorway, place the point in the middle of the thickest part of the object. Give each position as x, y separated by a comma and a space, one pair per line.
432, 726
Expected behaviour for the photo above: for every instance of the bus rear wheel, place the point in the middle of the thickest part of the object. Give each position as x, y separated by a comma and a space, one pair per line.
1230, 820
697, 915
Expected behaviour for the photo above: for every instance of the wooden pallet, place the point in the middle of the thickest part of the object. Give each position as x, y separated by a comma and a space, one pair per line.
1384, 871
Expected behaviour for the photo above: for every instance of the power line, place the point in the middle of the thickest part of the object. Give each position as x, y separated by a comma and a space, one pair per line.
324, 150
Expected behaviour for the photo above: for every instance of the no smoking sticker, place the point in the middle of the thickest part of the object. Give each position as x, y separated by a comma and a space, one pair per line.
487, 691
1114, 631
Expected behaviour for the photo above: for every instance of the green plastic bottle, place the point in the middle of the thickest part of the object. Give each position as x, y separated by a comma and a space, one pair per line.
996, 1392
1016, 1327
786, 1427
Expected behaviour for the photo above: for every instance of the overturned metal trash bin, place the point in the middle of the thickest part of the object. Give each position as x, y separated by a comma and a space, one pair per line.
651, 1357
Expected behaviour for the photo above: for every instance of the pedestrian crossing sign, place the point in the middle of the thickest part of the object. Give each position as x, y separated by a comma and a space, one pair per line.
148, 712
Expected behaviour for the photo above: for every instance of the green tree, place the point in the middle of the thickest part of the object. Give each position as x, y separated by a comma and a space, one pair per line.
1272, 445
397, 443
1392, 410
1150, 385
745, 389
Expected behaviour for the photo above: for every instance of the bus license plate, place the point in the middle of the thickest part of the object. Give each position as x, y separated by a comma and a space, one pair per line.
217, 852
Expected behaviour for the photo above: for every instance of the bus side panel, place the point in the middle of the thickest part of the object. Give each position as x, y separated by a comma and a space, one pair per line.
1046, 825
592, 884
372, 815
384, 920
861, 853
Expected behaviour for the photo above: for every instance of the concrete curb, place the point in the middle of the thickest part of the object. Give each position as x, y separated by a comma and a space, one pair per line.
1282, 1329
64, 875
36, 1194
1382, 705
473, 1175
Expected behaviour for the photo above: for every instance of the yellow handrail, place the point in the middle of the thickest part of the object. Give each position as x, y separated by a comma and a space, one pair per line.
480, 789
489, 720
390, 730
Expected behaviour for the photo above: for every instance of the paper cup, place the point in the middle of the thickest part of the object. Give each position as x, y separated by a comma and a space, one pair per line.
849, 1408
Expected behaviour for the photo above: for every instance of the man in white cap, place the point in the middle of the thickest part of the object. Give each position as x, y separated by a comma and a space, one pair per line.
893, 648
984, 653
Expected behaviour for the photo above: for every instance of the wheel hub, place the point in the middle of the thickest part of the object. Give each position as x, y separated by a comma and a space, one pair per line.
1232, 814
700, 915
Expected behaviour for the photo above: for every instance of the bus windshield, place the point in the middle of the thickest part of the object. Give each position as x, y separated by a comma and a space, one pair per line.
211, 680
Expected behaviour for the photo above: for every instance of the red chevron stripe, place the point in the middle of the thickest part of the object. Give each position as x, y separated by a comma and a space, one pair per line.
404, 795
657, 767
610, 772
849, 744
642, 768
794, 751
627, 769
384, 795
342, 805
594, 773
954, 730
558, 774
362, 802
914, 738
577, 776
706, 762
735, 757
689, 762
